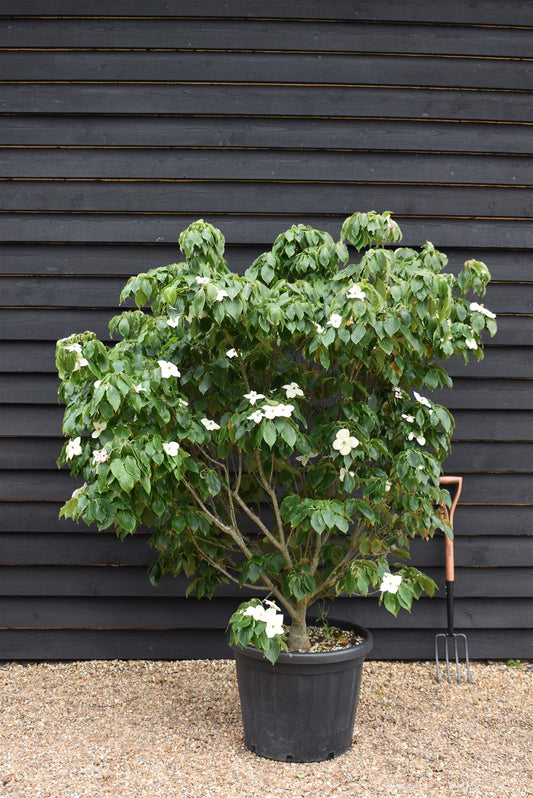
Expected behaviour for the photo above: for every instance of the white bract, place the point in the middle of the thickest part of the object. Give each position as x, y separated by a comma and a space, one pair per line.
471, 343
355, 292
408, 418
344, 442
77, 493
171, 448
422, 399
335, 321
343, 473
73, 448
168, 369
390, 583
232, 353
100, 456
183, 402
174, 322
221, 294
420, 438
319, 328
210, 424
481, 309
99, 427
292, 390
253, 397
140, 388
202, 280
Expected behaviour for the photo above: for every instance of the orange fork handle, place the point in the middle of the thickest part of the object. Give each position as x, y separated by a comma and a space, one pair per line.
449, 561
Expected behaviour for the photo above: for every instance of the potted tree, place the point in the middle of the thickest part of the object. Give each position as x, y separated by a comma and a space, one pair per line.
268, 428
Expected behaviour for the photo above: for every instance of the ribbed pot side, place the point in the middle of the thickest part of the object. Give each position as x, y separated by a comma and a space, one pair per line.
302, 708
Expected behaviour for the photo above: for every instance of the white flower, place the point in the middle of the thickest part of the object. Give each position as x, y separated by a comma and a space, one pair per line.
168, 369
253, 396
390, 223
388, 486
390, 583
270, 411
174, 322
74, 348
398, 393
258, 613
292, 390
202, 280
343, 473
256, 416
422, 399
99, 426
409, 419
76, 493
344, 442
355, 292
209, 424
285, 411
73, 448
335, 321
140, 388
304, 458
319, 328
221, 294
420, 438
274, 626
471, 343
483, 310
100, 456
97, 384
171, 448
183, 402
232, 353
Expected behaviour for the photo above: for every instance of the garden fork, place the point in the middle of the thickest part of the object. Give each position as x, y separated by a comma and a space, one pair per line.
451, 636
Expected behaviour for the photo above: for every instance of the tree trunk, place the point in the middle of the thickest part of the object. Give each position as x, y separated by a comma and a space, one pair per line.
298, 636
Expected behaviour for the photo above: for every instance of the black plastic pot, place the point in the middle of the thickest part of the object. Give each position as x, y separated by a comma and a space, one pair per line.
302, 708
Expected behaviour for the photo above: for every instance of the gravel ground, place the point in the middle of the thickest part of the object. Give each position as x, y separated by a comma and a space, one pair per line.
173, 730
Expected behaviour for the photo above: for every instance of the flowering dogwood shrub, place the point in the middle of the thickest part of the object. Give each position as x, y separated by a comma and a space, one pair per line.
274, 429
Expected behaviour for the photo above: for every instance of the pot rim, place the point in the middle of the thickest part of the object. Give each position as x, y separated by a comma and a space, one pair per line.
318, 657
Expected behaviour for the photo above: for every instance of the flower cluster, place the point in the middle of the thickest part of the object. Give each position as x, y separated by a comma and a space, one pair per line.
278, 410
272, 617
168, 369
80, 360
100, 456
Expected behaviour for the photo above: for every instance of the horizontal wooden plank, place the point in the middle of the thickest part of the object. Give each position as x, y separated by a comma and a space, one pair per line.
491, 12
246, 229
179, 614
250, 132
78, 548
34, 485
90, 292
487, 394
205, 197
280, 68
500, 361
43, 518
286, 35
493, 425
51, 580
467, 393
267, 100
115, 260
466, 457
490, 457
263, 165
389, 644
113, 644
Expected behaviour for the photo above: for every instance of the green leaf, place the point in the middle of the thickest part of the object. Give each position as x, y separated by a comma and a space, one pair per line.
269, 433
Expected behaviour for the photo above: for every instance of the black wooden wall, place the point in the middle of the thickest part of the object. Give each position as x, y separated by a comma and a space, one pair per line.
120, 130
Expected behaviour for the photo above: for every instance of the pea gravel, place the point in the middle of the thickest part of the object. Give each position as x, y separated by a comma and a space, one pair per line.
172, 730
